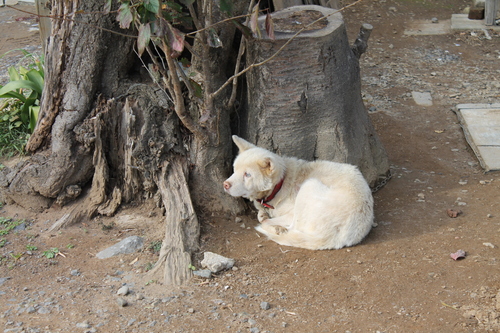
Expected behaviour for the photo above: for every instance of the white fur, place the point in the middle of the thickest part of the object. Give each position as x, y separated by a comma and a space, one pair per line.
321, 205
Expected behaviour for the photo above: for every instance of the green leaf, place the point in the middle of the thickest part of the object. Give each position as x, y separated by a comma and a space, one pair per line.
35, 77
226, 6
13, 86
34, 110
144, 37
14, 94
174, 6
13, 74
198, 90
125, 16
213, 39
152, 5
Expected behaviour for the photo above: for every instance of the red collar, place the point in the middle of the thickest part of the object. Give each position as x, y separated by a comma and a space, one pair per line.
277, 188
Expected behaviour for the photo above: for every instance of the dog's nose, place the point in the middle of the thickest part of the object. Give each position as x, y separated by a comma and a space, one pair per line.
227, 185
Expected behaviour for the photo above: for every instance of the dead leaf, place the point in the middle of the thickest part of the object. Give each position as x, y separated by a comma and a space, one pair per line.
453, 213
460, 254
270, 26
254, 19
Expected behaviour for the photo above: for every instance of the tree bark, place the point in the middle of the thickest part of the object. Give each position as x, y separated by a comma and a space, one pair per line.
309, 102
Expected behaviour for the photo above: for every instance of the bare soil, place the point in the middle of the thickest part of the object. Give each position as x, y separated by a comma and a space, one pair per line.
401, 278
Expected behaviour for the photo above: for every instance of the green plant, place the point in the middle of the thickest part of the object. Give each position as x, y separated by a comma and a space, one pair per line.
6, 225
25, 90
31, 247
155, 247
3, 241
51, 253
70, 246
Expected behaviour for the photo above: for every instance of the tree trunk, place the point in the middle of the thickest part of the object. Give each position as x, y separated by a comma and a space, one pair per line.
306, 102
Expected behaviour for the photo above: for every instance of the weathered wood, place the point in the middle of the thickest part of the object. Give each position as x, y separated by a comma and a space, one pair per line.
43, 10
309, 102
361, 43
491, 11
182, 227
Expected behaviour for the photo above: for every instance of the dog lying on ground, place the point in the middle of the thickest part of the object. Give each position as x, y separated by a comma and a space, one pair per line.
314, 205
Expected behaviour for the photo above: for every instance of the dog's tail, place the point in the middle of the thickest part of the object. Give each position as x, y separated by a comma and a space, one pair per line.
291, 237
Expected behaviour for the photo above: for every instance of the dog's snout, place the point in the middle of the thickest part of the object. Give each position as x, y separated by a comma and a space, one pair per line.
227, 185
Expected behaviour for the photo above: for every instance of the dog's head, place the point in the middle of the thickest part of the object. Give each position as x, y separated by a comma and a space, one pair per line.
256, 171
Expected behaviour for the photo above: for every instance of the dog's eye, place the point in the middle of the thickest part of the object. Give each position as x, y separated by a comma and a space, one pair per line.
247, 175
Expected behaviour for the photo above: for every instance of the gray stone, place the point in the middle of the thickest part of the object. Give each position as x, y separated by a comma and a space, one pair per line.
122, 302
422, 98
123, 291
216, 262
128, 245
83, 325
43, 310
3, 280
75, 272
265, 305
203, 273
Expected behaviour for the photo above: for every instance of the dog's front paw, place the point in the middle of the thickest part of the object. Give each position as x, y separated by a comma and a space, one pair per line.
261, 216
280, 230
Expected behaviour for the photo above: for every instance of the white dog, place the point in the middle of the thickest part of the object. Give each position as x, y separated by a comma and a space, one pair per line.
314, 205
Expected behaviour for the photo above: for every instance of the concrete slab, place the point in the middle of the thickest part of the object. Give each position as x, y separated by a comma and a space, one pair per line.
462, 22
426, 27
422, 98
481, 126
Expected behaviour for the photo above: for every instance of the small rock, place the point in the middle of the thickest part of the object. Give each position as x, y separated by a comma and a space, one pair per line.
128, 245
203, 273
254, 330
43, 310
2, 280
489, 245
123, 291
75, 272
190, 310
215, 262
265, 306
238, 220
83, 325
122, 302
434, 20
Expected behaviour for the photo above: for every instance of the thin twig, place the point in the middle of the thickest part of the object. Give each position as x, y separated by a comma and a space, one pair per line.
72, 20
241, 50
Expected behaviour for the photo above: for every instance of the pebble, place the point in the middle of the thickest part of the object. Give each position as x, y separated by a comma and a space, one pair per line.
265, 306
122, 302
43, 310
123, 291
83, 325
203, 273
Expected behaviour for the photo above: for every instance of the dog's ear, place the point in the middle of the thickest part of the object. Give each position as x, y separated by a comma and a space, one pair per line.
242, 144
266, 165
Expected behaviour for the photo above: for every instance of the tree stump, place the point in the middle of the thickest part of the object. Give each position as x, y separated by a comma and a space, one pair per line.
306, 101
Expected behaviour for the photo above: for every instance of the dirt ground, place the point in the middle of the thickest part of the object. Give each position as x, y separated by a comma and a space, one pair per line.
401, 278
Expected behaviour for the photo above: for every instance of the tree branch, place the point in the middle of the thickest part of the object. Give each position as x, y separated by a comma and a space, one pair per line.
180, 108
